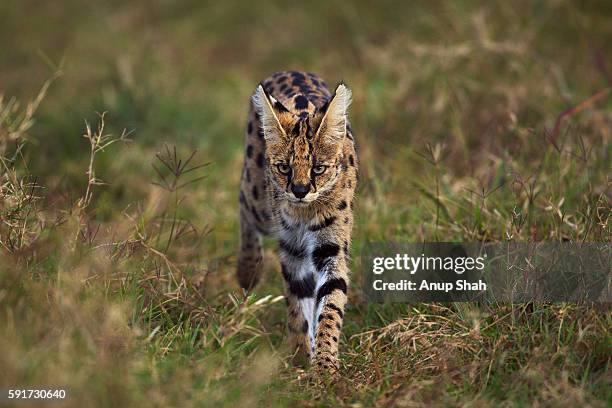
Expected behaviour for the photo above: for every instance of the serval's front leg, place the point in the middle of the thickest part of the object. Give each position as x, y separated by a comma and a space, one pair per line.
299, 294
330, 299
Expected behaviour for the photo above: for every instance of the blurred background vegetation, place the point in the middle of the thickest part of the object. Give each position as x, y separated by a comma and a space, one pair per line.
475, 121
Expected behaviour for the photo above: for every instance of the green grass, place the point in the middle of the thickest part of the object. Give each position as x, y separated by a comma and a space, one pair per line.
127, 297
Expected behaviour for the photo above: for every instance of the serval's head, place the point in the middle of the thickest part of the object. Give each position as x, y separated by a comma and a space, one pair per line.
303, 151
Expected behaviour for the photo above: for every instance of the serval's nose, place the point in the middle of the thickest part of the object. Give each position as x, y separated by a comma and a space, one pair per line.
300, 190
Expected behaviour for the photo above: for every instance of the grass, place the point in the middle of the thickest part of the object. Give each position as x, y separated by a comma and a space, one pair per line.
474, 122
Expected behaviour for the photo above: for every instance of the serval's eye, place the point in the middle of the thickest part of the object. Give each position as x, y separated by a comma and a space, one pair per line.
318, 170
283, 168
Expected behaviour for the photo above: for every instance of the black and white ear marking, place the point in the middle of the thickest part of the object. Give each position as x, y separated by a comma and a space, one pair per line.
277, 105
333, 124
266, 105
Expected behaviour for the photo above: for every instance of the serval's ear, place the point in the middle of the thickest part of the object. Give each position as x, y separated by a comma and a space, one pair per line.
269, 110
333, 124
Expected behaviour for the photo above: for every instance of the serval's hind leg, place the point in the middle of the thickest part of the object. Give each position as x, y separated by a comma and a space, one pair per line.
250, 254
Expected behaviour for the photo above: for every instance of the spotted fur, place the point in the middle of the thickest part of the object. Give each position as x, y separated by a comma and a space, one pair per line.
298, 182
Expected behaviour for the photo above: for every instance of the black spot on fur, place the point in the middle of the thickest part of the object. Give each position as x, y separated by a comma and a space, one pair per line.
302, 288
248, 175
305, 327
335, 308
329, 286
288, 92
342, 205
260, 160
323, 224
255, 193
250, 127
335, 339
351, 160
291, 250
321, 254
260, 133
249, 151
281, 79
346, 220
301, 102
283, 87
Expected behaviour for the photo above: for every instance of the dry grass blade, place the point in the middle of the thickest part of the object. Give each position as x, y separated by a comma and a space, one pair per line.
98, 141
